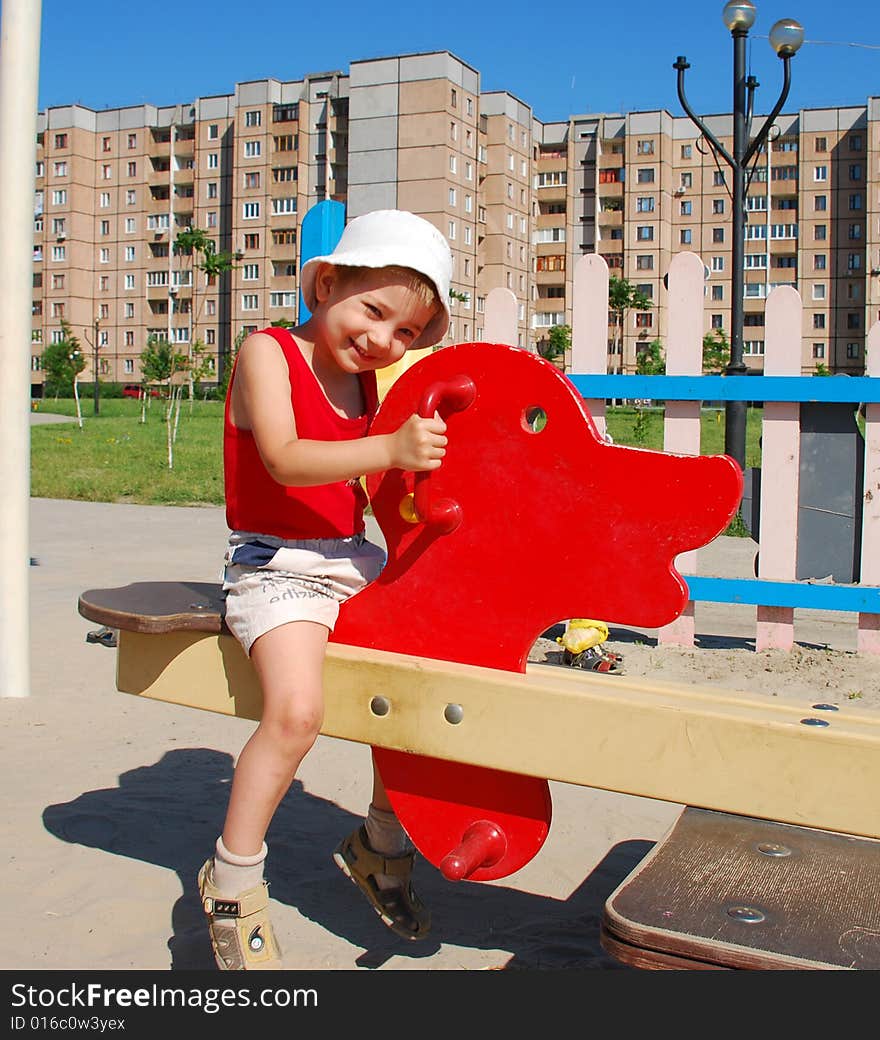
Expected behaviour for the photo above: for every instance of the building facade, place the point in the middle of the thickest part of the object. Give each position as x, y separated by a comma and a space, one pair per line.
520, 202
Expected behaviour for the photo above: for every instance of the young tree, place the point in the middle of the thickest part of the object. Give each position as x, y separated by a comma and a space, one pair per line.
623, 296
159, 364
650, 360
557, 342
716, 352
62, 362
204, 256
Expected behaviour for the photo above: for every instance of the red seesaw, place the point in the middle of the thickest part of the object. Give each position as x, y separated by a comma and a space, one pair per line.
532, 519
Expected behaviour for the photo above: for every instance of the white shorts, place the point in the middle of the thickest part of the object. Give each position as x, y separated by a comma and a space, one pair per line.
271, 581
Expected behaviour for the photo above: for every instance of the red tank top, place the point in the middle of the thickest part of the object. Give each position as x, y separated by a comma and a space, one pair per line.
256, 502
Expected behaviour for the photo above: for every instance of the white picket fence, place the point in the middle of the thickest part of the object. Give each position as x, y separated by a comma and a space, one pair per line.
780, 438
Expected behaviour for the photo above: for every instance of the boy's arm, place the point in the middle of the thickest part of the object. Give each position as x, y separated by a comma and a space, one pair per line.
261, 403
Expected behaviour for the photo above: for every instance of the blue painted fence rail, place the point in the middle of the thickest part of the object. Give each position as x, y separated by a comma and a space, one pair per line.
830, 389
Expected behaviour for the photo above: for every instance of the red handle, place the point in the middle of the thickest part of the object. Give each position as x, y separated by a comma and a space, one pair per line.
481, 845
446, 396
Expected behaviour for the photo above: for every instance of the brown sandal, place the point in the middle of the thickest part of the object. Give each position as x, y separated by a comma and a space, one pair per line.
399, 907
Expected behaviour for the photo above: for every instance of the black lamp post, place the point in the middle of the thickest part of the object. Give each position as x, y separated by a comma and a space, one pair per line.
786, 36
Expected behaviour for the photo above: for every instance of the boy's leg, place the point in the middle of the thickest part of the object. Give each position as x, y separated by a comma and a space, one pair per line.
289, 664
379, 858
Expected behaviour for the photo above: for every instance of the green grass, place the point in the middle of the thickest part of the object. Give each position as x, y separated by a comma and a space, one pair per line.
117, 458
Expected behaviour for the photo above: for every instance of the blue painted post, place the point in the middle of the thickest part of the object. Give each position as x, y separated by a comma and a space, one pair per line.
320, 230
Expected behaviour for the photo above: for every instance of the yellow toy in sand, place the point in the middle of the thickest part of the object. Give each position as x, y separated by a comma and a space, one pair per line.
581, 646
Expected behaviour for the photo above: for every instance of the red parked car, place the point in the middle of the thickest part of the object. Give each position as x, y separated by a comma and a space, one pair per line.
133, 390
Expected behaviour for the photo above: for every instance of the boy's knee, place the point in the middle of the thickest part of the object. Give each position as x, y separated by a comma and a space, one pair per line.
295, 727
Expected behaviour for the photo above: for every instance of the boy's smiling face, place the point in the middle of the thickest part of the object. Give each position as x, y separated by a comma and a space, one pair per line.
369, 320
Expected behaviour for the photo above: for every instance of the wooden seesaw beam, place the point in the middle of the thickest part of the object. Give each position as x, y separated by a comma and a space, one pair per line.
798, 764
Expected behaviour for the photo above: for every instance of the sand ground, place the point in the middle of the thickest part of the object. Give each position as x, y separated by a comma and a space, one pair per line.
110, 804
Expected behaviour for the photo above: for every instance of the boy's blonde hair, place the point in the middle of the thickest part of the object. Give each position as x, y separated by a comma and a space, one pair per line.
419, 284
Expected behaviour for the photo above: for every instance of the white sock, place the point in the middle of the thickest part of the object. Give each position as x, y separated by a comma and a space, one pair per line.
234, 874
387, 837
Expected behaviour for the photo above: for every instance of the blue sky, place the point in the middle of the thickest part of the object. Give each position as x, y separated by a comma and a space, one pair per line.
573, 56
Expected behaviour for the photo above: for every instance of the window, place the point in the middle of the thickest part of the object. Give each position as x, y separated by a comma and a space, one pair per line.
60, 169
819, 262
253, 118
853, 320
211, 189
756, 260
644, 320
854, 261
717, 292
718, 234
855, 202
61, 140
59, 198
213, 132
820, 173
645, 204
105, 227
644, 147
818, 321
855, 171
452, 197
644, 263
718, 178
686, 208
213, 160
821, 144
132, 169
285, 143
717, 205
250, 301
687, 180
252, 180
854, 231
279, 206
686, 151
104, 256
820, 232
252, 149
251, 210
453, 131
132, 140
753, 346
645, 175
59, 252
852, 350
468, 234
250, 272
820, 202
451, 230
468, 171
129, 281
211, 218
717, 321
855, 142
685, 236
129, 310
468, 203
819, 291
717, 263
283, 174
131, 197
157, 222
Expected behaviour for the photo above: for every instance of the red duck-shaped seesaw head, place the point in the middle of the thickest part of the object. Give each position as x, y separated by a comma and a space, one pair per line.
531, 519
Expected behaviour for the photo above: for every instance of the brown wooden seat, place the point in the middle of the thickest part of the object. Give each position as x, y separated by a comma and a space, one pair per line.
723, 891
155, 607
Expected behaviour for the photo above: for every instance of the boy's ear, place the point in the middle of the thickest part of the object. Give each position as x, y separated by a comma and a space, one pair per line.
325, 277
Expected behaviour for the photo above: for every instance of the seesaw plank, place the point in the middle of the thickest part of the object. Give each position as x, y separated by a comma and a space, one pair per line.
749, 756
723, 891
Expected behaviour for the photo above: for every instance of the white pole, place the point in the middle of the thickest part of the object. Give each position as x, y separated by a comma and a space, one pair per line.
19, 73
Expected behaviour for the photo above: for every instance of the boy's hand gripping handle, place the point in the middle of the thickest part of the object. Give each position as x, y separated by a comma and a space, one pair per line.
449, 395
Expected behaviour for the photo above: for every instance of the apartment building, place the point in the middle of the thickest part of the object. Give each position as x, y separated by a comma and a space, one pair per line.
644, 186
520, 202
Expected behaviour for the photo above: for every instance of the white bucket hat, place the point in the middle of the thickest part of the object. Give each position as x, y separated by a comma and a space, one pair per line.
392, 238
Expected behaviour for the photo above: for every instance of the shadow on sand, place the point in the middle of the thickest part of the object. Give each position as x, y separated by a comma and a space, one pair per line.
170, 813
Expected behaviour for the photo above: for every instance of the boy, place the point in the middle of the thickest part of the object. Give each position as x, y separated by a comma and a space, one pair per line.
298, 411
